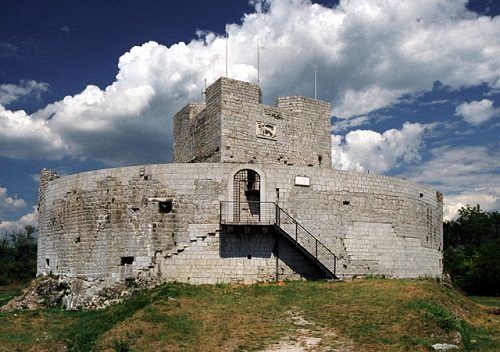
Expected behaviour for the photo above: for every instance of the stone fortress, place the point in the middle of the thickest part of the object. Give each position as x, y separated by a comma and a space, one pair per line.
251, 196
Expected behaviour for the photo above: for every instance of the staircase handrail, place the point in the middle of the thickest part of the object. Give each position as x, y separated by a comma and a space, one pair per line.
328, 259
317, 243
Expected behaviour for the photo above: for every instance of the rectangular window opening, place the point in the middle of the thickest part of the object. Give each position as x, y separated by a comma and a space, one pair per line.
165, 207
346, 202
126, 261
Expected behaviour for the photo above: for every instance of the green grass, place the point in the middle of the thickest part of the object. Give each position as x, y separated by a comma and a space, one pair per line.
486, 301
368, 315
9, 292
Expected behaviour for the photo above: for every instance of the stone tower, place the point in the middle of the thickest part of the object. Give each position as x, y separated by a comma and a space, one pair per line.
232, 126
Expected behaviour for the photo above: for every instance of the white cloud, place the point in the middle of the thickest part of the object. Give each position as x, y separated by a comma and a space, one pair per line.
8, 203
19, 224
477, 112
11, 92
466, 175
23, 136
369, 53
453, 203
369, 150
8, 49
340, 125
35, 178
435, 102
373, 98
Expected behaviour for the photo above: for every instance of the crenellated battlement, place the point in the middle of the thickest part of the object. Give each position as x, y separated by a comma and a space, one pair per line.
234, 126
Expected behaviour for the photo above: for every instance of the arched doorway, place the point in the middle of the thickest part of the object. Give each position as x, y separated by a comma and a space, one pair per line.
246, 196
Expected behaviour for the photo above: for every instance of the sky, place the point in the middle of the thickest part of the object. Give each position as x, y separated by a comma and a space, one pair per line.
414, 85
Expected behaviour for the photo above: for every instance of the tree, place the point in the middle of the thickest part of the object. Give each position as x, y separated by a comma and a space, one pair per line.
18, 256
472, 250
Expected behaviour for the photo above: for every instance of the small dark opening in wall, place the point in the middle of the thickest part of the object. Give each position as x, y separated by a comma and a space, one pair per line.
134, 209
421, 195
320, 159
77, 240
126, 260
165, 207
249, 256
47, 261
346, 202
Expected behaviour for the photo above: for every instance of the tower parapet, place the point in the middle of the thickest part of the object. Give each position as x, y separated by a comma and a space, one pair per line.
234, 126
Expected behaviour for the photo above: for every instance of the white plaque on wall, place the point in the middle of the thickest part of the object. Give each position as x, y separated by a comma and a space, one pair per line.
265, 130
302, 181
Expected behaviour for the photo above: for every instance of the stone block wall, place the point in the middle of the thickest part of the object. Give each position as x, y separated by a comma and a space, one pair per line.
245, 255
163, 221
235, 127
403, 219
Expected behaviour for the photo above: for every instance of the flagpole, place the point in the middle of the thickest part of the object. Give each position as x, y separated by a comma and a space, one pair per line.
315, 77
258, 62
226, 52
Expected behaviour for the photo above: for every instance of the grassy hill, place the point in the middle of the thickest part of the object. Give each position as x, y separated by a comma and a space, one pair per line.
361, 315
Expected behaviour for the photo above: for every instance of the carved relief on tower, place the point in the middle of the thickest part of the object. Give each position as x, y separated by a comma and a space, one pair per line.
265, 130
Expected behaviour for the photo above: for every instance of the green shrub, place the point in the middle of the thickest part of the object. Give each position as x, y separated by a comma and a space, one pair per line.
18, 256
472, 251
121, 345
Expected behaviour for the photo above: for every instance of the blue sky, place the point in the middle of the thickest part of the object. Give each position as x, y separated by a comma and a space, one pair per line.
414, 86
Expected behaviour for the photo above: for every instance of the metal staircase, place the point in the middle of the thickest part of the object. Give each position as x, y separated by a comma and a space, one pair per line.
271, 214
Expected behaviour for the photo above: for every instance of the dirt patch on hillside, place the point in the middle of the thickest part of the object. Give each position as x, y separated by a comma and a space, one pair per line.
310, 337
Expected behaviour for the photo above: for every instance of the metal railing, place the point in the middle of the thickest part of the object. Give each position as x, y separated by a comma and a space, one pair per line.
303, 238
247, 213
269, 213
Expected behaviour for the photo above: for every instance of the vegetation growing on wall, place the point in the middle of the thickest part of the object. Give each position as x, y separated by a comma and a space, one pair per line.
18, 256
472, 251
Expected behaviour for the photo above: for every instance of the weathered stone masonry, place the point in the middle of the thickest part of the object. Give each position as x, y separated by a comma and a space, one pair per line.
162, 221
224, 129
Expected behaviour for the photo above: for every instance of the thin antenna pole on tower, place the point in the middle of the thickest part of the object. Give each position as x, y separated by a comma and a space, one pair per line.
315, 77
258, 61
226, 51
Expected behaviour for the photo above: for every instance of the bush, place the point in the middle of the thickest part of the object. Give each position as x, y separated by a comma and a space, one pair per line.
18, 256
472, 251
